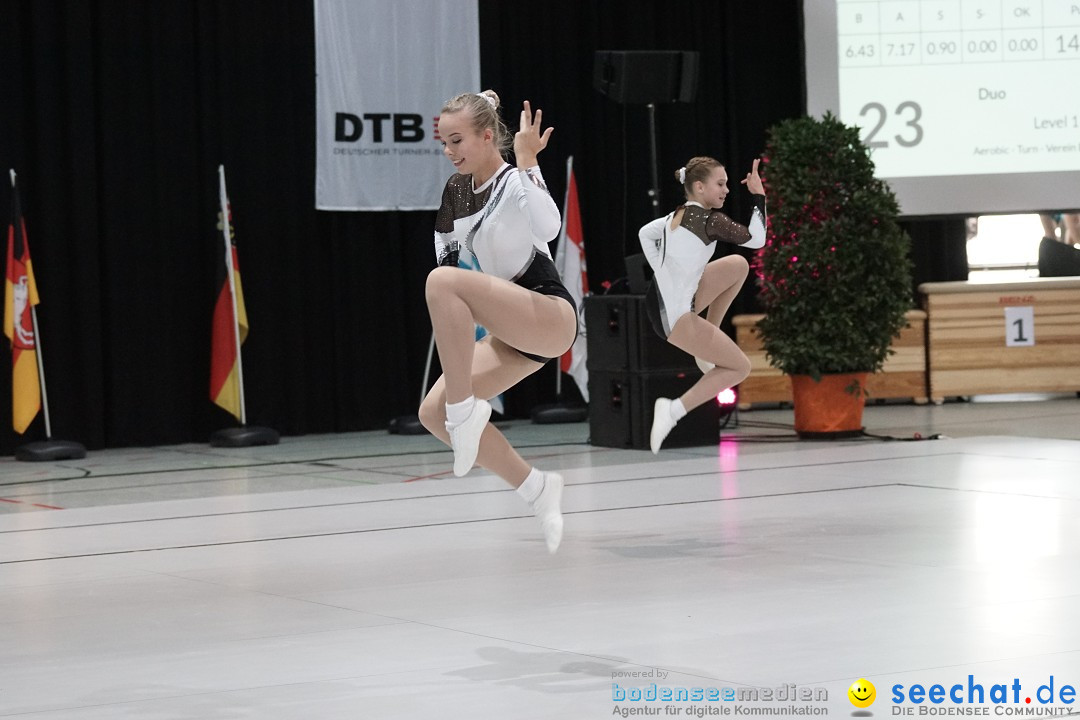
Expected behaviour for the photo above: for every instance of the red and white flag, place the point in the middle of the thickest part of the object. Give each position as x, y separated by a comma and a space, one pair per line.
570, 261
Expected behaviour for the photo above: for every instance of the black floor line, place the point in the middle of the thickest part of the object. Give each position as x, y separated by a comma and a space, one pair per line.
420, 526
309, 461
462, 494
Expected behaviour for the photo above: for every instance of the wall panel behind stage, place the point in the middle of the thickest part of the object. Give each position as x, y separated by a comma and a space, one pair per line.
116, 114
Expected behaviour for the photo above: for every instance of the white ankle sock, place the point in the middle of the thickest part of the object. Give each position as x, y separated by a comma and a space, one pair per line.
678, 412
459, 412
533, 485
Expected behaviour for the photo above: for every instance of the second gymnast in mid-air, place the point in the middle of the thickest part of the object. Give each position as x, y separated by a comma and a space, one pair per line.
678, 247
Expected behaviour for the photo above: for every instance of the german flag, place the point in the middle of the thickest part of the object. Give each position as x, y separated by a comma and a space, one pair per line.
20, 295
225, 374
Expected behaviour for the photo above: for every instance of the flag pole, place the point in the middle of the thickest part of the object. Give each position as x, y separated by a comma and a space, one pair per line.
41, 373
559, 411
560, 252
245, 435
229, 270
49, 449
38, 353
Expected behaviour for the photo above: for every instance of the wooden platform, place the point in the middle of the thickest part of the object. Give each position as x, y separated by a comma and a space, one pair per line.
987, 338
903, 376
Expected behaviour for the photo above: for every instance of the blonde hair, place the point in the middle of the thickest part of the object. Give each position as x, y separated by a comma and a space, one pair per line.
696, 169
483, 108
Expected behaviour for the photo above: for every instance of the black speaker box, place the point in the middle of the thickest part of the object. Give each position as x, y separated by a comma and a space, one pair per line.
620, 338
621, 410
1057, 259
646, 76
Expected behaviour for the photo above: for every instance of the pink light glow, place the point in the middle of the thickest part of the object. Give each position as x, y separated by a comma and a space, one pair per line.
726, 397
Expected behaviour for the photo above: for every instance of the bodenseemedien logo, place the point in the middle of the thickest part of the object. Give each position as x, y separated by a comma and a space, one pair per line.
862, 693
787, 700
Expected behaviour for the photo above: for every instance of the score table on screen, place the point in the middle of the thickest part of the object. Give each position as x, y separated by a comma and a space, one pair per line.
959, 87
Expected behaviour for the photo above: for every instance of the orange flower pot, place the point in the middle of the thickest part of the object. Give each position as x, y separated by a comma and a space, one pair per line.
830, 408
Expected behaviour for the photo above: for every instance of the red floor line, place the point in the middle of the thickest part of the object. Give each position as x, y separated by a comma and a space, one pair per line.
20, 502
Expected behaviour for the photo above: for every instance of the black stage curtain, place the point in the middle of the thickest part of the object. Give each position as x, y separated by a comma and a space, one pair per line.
116, 114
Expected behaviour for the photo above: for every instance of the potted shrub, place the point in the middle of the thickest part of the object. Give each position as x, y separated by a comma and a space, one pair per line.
834, 275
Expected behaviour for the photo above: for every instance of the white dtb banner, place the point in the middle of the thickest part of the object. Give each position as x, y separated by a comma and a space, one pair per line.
383, 70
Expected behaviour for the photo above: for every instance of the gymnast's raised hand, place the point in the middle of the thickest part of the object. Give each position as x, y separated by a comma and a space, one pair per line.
528, 140
752, 181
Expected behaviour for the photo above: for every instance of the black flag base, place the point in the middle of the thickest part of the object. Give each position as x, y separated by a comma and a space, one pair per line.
407, 425
47, 450
559, 413
244, 436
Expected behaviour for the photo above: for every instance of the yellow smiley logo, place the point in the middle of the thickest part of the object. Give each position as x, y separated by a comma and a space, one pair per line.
862, 693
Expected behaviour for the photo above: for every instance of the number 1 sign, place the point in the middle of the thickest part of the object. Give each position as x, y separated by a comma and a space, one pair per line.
1019, 326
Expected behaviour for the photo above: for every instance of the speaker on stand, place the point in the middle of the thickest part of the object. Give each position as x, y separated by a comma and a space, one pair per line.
629, 365
647, 77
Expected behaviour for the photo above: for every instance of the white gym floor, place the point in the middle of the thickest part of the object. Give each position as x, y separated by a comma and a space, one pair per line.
352, 576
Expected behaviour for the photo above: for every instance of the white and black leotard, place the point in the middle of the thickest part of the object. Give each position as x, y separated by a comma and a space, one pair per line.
678, 257
505, 225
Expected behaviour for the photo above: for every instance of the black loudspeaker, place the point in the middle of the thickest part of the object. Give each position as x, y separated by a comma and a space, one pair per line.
1056, 259
632, 77
629, 367
621, 410
638, 274
620, 338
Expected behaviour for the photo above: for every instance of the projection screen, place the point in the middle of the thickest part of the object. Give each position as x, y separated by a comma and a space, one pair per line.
970, 106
